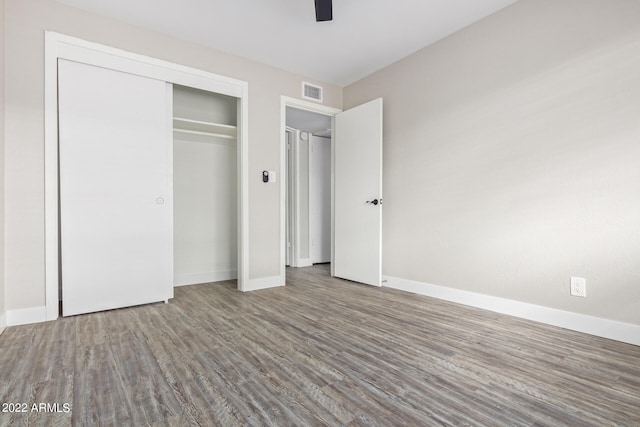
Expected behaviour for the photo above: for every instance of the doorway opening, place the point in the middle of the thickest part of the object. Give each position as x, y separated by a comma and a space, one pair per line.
355, 189
308, 215
307, 188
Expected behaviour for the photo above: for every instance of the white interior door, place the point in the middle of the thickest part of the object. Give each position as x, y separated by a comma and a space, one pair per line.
116, 199
358, 194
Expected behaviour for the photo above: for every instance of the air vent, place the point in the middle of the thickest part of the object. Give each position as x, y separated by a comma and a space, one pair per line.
310, 91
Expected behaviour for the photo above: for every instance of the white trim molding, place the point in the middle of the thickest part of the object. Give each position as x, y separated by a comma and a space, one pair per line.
611, 329
25, 316
305, 262
263, 283
207, 277
3, 322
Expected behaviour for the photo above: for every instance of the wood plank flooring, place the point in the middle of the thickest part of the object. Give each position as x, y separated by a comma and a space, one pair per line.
320, 351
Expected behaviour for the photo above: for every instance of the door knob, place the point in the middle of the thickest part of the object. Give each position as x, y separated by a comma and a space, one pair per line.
374, 201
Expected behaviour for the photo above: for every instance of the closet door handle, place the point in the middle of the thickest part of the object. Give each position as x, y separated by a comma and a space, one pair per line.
374, 202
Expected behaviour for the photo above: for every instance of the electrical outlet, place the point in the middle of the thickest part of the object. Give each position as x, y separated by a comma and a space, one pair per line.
578, 287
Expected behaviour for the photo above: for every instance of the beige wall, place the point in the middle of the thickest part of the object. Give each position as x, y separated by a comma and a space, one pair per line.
25, 22
2, 298
511, 150
512, 157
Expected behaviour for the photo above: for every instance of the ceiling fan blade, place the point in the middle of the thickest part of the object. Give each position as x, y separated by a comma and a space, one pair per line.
324, 10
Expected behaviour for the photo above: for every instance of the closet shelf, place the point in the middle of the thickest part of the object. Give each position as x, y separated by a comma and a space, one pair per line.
197, 127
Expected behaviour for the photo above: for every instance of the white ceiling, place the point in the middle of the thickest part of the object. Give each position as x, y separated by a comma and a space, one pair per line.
364, 36
307, 121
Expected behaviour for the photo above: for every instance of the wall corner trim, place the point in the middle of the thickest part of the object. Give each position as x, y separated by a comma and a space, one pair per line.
605, 328
264, 283
206, 277
304, 262
3, 322
25, 316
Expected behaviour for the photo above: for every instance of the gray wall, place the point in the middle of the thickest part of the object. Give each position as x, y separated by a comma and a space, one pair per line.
26, 21
512, 157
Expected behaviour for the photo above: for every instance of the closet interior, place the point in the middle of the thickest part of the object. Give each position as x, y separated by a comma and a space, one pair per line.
205, 186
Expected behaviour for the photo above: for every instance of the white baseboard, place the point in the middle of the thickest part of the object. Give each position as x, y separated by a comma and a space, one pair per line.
24, 316
209, 276
263, 283
619, 331
304, 262
3, 322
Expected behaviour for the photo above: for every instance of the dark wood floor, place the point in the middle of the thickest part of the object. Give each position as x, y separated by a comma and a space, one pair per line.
320, 351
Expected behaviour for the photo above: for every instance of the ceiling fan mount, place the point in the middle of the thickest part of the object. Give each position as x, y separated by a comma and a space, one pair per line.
324, 10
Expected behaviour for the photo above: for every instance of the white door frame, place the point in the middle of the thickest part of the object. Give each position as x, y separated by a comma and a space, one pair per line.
286, 101
62, 46
291, 214
293, 201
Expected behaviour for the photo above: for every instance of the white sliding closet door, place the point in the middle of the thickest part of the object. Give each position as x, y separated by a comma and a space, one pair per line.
116, 198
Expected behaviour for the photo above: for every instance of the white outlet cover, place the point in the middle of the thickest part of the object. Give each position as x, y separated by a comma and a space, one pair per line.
578, 287
272, 176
